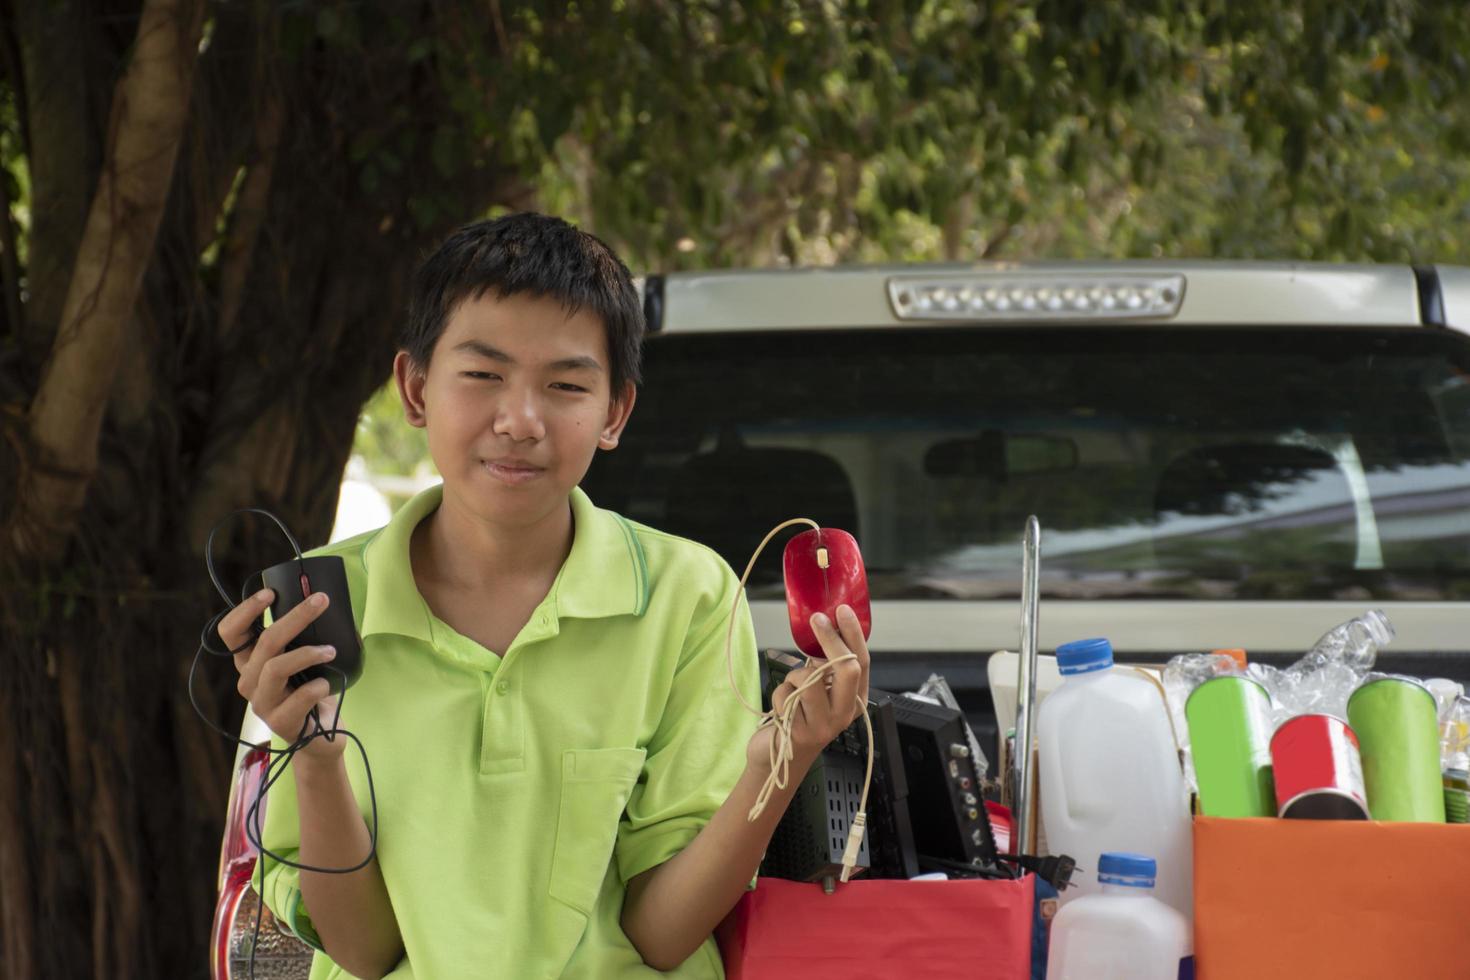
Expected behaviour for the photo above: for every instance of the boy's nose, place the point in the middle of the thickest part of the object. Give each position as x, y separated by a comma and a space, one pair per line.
519, 417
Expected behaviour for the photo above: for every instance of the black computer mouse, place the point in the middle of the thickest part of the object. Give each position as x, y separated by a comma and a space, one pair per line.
292, 581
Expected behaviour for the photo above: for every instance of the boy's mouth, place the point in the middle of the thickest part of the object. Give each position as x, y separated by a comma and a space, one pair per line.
513, 471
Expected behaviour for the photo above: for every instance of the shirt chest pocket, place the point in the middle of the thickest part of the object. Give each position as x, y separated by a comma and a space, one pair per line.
595, 787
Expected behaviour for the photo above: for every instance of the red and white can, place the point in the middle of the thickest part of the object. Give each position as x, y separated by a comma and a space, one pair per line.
1318, 770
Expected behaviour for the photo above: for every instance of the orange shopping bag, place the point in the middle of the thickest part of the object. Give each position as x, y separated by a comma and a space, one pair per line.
1301, 899
969, 929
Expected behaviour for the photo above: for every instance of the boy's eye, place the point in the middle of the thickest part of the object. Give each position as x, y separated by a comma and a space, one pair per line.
478, 375
567, 386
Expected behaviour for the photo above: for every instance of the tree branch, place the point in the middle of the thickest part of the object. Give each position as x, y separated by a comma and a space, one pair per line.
149, 109
959, 220
17, 899
61, 154
248, 217
9, 263
233, 472
10, 57
240, 59
995, 241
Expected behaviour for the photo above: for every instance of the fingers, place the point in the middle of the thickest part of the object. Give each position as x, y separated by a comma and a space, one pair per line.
291, 714
278, 671
813, 713
830, 705
785, 689
234, 628
831, 642
273, 677
852, 636
278, 635
850, 676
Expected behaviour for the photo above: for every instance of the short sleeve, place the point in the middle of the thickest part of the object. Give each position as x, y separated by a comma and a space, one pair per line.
280, 884
697, 753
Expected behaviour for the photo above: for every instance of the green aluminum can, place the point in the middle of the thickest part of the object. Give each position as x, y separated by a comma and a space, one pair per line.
1229, 722
1398, 731
1456, 796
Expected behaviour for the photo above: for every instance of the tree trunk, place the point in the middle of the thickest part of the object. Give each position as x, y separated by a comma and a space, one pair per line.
148, 113
230, 374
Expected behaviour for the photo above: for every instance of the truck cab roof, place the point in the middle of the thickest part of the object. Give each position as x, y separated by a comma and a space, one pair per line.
1182, 293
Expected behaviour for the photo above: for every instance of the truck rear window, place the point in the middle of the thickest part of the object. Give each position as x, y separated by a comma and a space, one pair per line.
1163, 463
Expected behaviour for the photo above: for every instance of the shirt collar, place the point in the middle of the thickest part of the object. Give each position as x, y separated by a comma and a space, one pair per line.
605, 574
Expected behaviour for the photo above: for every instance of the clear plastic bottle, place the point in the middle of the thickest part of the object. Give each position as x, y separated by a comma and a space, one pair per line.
1354, 644
1454, 735
1121, 933
1109, 771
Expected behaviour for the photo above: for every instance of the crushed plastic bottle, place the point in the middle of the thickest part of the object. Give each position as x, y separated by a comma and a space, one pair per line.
1454, 743
1326, 676
1353, 644
1320, 682
1446, 693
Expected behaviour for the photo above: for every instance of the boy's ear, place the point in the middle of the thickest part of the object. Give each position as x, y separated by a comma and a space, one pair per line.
618, 411
410, 380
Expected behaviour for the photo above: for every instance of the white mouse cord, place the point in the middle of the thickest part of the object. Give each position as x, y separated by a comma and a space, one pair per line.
781, 749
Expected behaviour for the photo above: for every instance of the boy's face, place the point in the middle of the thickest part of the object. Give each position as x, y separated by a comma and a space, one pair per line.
516, 401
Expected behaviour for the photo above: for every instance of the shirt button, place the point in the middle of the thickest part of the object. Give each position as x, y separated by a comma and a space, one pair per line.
503, 687
542, 619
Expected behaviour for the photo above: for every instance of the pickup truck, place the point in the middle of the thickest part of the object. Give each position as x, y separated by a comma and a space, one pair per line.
1221, 455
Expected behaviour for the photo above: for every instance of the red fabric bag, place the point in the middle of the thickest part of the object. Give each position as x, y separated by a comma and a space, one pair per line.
970, 929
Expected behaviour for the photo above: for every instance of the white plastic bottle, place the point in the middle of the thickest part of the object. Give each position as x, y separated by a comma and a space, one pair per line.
1121, 933
1110, 774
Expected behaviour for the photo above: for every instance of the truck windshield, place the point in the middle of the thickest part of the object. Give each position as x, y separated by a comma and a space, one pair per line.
1163, 463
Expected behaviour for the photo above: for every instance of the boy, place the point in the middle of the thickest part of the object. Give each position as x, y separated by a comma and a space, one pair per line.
562, 771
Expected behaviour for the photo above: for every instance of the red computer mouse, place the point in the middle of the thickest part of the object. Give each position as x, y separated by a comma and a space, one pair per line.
824, 570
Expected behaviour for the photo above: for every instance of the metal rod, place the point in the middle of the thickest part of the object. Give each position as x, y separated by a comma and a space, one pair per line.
1026, 685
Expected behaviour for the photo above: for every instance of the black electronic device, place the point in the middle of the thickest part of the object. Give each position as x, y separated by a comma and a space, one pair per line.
293, 582
809, 840
949, 817
890, 825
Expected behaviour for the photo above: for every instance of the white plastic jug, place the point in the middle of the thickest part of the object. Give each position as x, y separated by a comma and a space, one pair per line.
1110, 775
1121, 933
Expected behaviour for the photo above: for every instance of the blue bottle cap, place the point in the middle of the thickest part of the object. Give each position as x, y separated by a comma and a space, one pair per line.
1134, 870
1084, 656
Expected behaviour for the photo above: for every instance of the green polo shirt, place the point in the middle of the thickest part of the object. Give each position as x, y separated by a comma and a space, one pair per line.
519, 790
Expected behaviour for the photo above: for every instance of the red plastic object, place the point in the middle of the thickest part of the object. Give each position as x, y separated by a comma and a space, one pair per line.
237, 859
810, 588
225, 911
1001, 823
935, 930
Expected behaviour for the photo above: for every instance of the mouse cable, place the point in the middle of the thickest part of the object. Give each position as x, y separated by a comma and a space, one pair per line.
311, 728
781, 751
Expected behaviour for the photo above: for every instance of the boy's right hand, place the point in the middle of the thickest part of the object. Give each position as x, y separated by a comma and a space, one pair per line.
266, 667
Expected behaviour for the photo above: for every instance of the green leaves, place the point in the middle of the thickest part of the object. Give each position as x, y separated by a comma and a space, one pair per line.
696, 133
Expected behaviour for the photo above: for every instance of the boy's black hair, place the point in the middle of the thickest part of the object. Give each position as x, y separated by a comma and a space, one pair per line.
528, 253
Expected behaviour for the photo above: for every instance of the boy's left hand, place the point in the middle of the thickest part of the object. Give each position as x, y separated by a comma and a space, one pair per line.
827, 707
